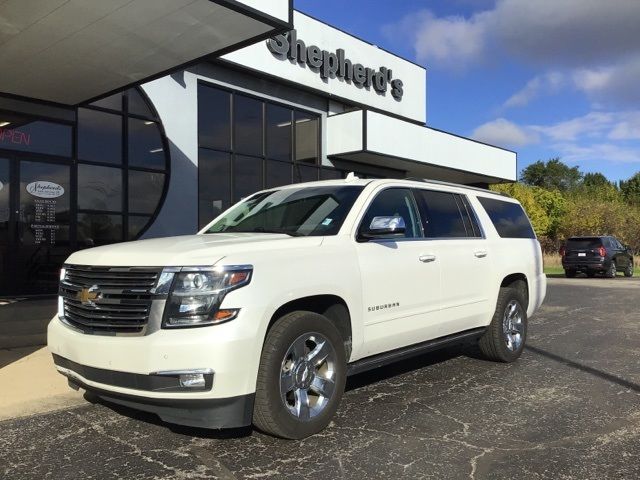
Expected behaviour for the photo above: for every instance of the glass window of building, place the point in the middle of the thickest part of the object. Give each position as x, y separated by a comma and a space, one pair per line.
24, 134
118, 202
99, 136
248, 128
279, 132
145, 191
273, 145
99, 188
307, 137
214, 118
214, 184
145, 144
99, 229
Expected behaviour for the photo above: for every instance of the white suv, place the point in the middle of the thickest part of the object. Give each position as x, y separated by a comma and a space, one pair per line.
262, 315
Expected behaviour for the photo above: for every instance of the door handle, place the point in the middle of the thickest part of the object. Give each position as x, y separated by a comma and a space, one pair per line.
480, 253
427, 258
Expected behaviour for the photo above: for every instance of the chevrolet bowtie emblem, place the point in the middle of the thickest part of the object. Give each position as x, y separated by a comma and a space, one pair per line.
88, 295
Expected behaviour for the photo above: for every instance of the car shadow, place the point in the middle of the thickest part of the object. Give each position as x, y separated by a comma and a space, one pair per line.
585, 368
153, 419
353, 383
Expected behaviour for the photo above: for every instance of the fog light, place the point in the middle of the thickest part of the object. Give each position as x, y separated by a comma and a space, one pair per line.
192, 380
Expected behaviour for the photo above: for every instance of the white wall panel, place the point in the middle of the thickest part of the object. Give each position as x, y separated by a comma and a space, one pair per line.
390, 136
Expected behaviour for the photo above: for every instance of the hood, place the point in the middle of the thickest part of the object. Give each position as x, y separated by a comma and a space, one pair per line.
186, 250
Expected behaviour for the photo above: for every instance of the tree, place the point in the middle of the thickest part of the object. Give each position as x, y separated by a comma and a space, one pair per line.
554, 205
631, 189
595, 180
552, 174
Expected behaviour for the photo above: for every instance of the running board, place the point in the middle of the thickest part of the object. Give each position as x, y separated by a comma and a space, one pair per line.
381, 359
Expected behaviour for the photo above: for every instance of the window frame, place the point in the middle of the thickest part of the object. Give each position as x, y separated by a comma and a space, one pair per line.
124, 166
493, 223
365, 209
461, 200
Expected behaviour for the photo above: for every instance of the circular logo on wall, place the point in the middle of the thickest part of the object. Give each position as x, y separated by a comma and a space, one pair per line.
43, 189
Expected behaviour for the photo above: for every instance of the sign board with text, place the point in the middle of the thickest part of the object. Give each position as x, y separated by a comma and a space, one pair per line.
323, 58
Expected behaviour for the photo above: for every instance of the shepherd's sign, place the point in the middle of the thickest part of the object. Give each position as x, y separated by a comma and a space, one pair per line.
332, 65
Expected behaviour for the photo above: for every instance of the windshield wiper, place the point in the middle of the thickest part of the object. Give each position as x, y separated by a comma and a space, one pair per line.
265, 230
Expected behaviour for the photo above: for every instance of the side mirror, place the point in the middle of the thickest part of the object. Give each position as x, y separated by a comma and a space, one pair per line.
384, 227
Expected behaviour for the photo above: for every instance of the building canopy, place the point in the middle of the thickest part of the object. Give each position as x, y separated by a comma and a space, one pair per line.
72, 51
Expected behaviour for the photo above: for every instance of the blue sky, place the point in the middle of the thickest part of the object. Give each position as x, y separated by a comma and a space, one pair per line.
545, 78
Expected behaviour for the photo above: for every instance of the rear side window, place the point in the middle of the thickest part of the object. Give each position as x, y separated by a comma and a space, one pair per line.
508, 218
444, 215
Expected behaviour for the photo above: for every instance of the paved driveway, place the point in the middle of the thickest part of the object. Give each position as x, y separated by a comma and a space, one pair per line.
570, 408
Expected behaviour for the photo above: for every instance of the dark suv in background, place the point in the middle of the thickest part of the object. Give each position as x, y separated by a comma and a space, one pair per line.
593, 255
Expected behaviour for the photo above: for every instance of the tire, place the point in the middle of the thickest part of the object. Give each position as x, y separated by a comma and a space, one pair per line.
280, 402
496, 344
569, 273
611, 271
591, 274
628, 272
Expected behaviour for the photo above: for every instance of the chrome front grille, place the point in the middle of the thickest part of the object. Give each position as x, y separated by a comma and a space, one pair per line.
108, 300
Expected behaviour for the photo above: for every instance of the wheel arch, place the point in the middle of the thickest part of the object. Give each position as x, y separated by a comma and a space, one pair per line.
333, 307
520, 281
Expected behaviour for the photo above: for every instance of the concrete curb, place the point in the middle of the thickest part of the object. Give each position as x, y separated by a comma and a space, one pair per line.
31, 384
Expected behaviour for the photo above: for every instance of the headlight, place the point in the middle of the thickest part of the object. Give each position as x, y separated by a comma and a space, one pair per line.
197, 293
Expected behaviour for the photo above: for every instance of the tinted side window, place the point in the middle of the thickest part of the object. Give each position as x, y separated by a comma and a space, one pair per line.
471, 219
441, 215
508, 218
392, 202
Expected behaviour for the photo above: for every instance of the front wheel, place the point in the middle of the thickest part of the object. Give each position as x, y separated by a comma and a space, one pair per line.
505, 337
628, 272
301, 376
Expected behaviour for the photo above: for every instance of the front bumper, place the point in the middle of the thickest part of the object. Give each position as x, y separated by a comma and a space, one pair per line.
231, 412
229, 350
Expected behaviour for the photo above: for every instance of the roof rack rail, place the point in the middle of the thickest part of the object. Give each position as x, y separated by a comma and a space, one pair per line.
451, 184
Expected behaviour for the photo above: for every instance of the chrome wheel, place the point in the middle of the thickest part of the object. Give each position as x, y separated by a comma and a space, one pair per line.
307, 375
513, 326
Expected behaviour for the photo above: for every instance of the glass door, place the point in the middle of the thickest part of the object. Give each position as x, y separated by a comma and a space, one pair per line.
42, 225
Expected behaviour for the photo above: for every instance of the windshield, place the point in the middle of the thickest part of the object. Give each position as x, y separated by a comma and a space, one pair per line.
309, 211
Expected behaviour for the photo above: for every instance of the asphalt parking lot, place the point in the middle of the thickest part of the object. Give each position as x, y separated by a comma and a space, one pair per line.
569, 408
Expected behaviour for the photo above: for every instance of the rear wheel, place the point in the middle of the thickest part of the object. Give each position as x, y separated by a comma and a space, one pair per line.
591, 273
628, 272
569, 273
611, 271
301, 376
505, 337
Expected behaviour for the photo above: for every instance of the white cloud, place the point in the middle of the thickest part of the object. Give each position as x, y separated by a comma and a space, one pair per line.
565, 33
585, 138
598, 152
540, 84
503, 133
594, 124
612, 85
451, 41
